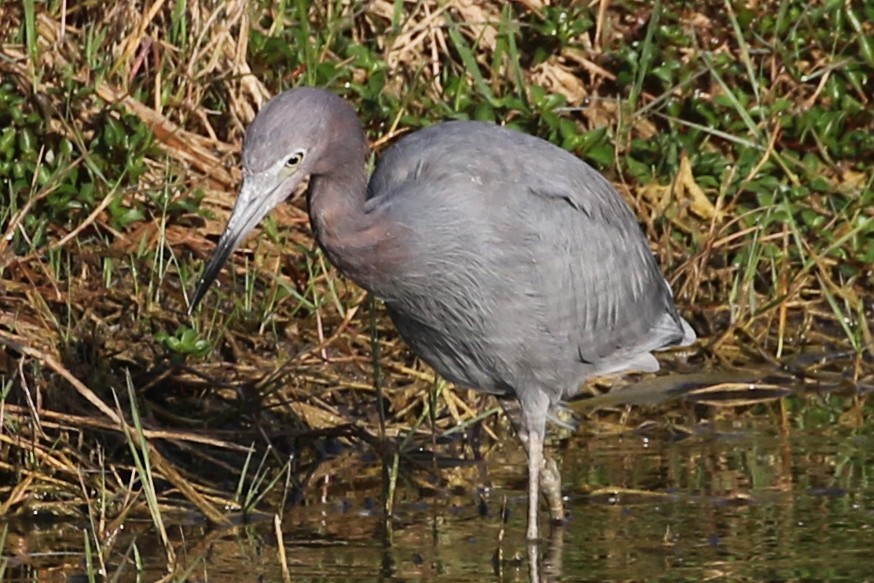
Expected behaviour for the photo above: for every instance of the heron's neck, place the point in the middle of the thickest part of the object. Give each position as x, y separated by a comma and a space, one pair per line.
358, 243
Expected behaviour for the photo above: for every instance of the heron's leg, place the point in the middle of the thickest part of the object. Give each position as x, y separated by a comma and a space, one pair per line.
550, 484
549, 478
535, 465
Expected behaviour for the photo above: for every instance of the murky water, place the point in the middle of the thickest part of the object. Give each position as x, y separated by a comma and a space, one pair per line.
732, 502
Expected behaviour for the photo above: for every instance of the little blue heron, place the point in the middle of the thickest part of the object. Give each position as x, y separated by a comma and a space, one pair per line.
506, 263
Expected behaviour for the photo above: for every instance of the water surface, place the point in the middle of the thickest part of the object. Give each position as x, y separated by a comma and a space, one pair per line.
732, 500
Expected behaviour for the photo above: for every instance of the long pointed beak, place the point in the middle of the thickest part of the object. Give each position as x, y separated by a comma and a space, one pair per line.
253, 203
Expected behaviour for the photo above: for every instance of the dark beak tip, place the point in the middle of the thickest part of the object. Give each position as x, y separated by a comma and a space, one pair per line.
199, 292
213, 266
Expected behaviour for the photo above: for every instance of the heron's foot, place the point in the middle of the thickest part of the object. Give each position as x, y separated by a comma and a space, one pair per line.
550, 485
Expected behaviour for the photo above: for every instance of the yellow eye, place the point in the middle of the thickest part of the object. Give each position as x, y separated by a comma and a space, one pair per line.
295, 159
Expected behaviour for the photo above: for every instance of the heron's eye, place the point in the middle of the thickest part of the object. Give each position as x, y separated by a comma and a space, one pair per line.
295, 159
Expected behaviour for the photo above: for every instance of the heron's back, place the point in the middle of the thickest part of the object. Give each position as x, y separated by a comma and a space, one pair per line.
525, 269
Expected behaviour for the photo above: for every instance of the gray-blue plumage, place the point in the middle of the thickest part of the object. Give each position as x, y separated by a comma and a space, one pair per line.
506, 263
528, 266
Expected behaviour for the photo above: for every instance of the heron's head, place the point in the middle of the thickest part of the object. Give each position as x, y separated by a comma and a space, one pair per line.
299, 133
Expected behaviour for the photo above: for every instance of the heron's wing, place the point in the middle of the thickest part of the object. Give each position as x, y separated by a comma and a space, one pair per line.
610, 296
525, 250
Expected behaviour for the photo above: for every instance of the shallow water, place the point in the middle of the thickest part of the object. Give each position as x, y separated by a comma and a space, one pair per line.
735, 501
